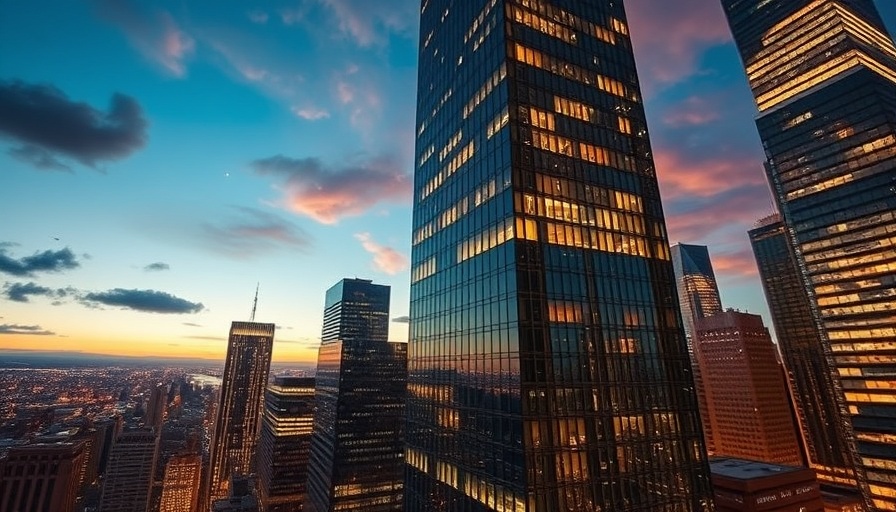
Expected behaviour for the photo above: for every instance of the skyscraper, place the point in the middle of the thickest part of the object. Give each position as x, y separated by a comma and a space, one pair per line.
129, 476
285, 443
357, 440
823, 74
42, 476
548, 369
242, 398
747, 399
815, 391
180, 488
698, 296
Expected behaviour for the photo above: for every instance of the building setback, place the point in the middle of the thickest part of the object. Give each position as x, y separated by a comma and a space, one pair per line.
238, 421
751, 486
823, 74
285, 444
548, 369
357, 441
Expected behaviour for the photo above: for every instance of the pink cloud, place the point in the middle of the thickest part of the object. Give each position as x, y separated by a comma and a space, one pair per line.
693, 111
328, 194
310, 113
738, 265
156, 35
385, 259
250, 232
669, 36
682, 176
370, 23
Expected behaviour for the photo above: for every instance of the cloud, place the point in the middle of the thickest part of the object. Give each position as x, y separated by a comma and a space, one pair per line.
191, 324
157, 267
739, 264
371, 23
330, 194
20, 292
733, 211
34, 330
254, 62
402, 320
46, 121
669, 37
684, 175
154, 34
258, 16
150, 301
47, 261
39, 158
385, 259
692, 111
251, 232
310, 113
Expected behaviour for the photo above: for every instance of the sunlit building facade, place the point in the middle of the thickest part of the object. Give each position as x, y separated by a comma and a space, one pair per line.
748, 403
238, 422
357, 439
180, 487
816, 393
823, 74
285, 444
548, 369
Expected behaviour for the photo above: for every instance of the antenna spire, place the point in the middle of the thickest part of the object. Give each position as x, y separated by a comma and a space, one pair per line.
254, 304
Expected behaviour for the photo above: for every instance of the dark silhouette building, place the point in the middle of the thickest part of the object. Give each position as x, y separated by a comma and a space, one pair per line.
816, 392
42, 477
548, 369
238, 421
285, 444
747, 399
823, 74
129, 476
357, 441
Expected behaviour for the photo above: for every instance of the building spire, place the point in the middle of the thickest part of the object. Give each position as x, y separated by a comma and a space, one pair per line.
254, 304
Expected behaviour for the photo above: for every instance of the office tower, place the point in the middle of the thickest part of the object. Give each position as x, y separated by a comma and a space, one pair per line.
746, 485
41, 477
155, 406
356, 309
815, 390
548, 369
823, 74
180, 488
746, 395
698, 297
238, 422
698, 293
241, 497
285, 443
129, 477
357, 440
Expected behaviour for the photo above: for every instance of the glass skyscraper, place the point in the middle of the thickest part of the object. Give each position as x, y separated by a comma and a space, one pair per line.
548, 369
238, 421
823, 74
357, 439
815, 390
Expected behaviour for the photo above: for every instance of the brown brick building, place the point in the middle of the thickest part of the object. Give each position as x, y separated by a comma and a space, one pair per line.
749, 486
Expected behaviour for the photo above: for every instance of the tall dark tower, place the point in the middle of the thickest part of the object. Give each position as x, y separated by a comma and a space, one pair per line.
238, 421
548, 369
357, 439
815, 391
823, 74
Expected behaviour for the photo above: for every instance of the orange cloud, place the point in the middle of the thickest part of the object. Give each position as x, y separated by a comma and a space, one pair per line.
682, 176
385, 259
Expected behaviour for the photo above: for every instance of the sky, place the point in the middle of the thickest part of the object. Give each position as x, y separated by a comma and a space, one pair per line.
160, 160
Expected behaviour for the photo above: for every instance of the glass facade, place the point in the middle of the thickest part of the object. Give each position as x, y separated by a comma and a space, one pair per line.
548, 369
357, 440
238, 422
285, 443
815, 390
823, 73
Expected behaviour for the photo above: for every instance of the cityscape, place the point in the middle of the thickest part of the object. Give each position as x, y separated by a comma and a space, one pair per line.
441, 255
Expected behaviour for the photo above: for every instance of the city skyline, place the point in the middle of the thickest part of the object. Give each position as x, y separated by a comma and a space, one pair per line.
197, 190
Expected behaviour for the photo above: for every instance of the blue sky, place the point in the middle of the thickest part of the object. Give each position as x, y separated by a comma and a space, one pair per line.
159, 159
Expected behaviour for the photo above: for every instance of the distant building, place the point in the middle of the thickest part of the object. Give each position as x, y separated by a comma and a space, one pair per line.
155, 406
129, 477
241, 496
698, 297
817, 394
238, 422
180, 488
747, 398
357, 443
748, 486
42, 477
285, 444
